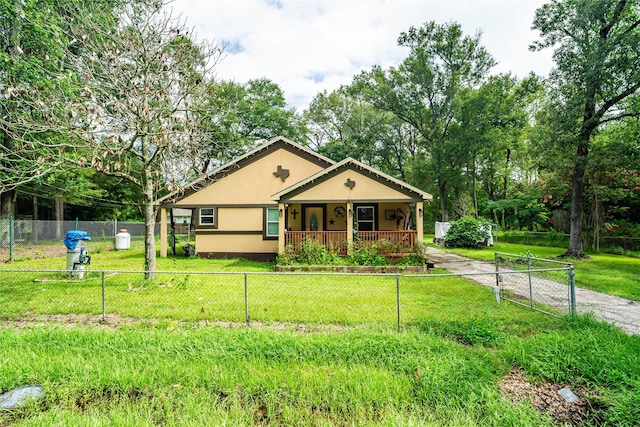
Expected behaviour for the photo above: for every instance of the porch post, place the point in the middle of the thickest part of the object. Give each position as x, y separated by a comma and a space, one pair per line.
350, 214
163, 232
420, 222
282, 211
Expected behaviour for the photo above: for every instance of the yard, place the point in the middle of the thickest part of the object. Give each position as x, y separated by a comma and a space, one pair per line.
611, 274
460, 358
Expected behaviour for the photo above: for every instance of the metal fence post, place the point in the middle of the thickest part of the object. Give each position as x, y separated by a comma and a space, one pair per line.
530, 284
398, 298
572, 289
496, 288
246, 299
10, 238
104, 301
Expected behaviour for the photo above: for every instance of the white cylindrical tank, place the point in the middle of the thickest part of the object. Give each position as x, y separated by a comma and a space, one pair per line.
123, 239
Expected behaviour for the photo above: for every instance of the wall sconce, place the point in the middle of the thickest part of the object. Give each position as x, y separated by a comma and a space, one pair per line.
280, 212
350, 213
420, 212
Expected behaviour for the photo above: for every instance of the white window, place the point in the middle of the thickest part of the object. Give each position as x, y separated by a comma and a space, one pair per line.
271, 222
208, 217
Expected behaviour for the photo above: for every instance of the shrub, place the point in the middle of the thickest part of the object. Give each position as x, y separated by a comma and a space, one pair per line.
467, 232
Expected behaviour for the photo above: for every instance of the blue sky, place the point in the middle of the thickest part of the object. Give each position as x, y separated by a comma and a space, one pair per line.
308, 46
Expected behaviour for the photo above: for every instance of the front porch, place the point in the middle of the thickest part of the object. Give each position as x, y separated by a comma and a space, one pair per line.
349, 205
390, 243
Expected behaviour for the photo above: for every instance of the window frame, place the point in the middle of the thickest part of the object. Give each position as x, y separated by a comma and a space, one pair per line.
265, 228
373, 221
213, 215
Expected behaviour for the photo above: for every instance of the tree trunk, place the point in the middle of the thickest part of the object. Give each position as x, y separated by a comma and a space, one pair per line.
442, 188
577, 185
149, 229
34, 222
8, 203
475, 190
58, 216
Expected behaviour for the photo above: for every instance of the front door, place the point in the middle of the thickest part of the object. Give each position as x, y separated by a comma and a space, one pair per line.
314, 218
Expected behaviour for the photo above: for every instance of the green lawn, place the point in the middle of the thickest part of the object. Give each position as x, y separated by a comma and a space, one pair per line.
294, 366
437, 372
611, 274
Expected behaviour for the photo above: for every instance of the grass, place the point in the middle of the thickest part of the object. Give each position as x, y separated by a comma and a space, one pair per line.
352, 368
168, 375
607, 273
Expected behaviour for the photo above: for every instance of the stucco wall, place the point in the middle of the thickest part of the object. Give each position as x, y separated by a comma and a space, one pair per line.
255, 183
365, 189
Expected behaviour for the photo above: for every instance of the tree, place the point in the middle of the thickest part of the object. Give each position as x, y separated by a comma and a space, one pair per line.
597, 73
342, 125
422, 91
491, 123
116, 98
241, 114
142, 70
32, 47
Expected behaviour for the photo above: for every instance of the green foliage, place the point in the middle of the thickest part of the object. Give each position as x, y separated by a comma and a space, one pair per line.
467, 232
442, 62
366, 255
524, 211
595, 82
381, 253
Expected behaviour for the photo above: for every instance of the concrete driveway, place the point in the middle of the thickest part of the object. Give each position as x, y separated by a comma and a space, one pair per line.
621, 312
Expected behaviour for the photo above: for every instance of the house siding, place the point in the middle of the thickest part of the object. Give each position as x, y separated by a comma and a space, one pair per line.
255, 183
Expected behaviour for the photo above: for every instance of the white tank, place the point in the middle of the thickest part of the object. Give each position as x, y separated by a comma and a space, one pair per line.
123, 240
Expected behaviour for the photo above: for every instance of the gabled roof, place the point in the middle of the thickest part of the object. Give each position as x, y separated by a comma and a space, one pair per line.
351, 164
244, 160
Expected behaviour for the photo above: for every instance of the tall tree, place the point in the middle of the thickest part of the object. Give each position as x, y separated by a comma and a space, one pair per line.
141, 70
342, 125
597, 56
241, 114
490, 127
32, 46
422, 91
117, 99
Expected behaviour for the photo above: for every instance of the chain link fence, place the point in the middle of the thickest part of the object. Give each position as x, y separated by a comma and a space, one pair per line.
537, 283
26, 236
239, 298
612, 244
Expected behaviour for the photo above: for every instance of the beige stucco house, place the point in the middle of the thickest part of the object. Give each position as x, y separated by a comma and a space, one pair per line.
281, 193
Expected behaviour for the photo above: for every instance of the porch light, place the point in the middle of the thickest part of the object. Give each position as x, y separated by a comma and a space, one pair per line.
350, 213
280, 212
420, 212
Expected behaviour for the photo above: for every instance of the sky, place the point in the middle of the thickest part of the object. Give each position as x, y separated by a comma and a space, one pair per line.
310, 46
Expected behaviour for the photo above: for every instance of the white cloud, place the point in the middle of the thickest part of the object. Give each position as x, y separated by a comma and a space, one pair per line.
307, 46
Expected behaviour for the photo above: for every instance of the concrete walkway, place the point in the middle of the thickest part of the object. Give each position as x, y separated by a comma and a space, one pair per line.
621, 312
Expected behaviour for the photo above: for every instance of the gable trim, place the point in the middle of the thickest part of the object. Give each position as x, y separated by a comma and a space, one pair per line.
350, 164
240, 162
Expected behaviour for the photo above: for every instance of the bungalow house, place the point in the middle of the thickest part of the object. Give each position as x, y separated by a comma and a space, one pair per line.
281, 193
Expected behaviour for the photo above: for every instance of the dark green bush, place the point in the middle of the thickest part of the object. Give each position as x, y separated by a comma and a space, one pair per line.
467, 232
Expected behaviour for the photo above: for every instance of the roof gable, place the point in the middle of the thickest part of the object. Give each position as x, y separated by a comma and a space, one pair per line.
245, 160
378, 185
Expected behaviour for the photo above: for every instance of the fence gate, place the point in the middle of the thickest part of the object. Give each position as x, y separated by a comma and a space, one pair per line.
536, 283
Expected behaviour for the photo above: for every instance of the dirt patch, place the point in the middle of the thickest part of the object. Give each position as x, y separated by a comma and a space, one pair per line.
114, 321
30, 251
545, 398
